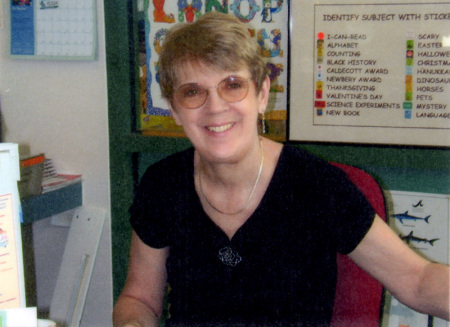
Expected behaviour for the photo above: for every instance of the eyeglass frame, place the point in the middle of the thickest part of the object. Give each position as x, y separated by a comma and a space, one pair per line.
217, 86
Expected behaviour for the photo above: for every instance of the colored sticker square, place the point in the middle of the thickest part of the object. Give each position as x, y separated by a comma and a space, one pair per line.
319, 112
409, 70
407, 105
408, 79
319, 76
320, 52
319, 94
409, 62
319, 85
410, 44
408, 87
409, 53
408, 114
408, 96
319, 104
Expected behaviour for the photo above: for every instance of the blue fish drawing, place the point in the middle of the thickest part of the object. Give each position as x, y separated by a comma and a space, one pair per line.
406, 216
411, 238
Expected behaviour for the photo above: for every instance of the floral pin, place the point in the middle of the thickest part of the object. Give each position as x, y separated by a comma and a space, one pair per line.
229, 257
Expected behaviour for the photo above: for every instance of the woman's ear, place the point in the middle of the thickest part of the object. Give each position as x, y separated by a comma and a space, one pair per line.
264, 95
173, 111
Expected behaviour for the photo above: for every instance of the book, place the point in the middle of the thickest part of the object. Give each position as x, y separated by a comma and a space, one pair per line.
49, 169
31, 175
58, 181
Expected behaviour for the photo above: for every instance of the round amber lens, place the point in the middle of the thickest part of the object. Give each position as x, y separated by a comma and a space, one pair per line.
233, 89
191, 95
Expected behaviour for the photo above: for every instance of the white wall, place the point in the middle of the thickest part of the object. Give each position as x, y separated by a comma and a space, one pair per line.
60, 108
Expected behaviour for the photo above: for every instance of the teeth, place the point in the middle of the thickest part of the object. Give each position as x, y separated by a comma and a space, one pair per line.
219, 129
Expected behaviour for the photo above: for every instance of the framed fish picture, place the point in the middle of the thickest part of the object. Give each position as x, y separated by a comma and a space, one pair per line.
421, 220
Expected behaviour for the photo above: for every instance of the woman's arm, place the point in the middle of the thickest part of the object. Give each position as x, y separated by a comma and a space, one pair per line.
141, 300
418, 283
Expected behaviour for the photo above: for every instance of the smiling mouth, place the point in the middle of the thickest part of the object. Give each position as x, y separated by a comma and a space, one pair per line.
218, 129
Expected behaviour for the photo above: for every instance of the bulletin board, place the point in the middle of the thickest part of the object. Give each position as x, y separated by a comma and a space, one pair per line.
370, 72
53, 29
267, 22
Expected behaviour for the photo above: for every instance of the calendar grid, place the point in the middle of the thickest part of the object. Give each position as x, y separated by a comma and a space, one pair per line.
64, 30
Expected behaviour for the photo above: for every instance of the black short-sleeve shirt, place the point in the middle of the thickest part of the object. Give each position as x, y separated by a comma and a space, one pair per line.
279, 269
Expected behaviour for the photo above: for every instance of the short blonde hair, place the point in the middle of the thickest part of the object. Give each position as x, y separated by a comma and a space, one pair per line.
215, 39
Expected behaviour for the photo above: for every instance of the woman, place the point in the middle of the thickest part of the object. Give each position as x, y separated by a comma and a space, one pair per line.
243, 229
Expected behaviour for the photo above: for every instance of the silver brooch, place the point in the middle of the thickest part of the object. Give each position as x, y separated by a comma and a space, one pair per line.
229, 257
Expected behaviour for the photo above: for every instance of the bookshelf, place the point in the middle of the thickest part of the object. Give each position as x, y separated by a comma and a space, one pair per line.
395, 167
51, 203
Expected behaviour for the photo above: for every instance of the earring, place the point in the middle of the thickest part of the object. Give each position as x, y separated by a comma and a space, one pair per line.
263, 123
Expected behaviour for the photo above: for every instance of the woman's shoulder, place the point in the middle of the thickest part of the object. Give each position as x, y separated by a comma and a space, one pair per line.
299, 166
293, 155
172, 165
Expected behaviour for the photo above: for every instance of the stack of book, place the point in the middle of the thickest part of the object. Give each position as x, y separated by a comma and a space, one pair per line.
38, 175
53, 181
31, 175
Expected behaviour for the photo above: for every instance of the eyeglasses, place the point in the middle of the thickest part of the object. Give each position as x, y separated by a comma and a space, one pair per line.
231, 89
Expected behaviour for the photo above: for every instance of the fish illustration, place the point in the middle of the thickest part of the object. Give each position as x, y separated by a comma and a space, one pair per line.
406, 216
411, 238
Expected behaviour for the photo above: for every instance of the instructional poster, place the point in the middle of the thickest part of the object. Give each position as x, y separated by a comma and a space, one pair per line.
371, 72
10, 279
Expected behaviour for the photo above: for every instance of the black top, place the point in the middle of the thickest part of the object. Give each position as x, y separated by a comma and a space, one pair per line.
280, 266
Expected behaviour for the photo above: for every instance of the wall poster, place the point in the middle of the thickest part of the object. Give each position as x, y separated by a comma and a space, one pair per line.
267, 22
10, 291
12, 281
371, 72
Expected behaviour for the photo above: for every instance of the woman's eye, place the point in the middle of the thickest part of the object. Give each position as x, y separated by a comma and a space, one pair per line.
190, 93
193, 91
234, 85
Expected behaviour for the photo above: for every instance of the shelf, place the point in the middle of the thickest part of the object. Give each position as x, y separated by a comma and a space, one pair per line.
48, 204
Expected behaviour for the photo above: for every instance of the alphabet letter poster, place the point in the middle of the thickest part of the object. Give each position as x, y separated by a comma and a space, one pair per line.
267, 22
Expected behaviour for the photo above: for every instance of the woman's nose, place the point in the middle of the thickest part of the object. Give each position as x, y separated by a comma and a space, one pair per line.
214, 103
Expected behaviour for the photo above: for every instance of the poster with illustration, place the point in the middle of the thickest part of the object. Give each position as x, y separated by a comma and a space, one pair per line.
10, 276
12, 281
267, 22
422, 221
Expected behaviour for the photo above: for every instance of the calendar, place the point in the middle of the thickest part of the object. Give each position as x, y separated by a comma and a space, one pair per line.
54, 29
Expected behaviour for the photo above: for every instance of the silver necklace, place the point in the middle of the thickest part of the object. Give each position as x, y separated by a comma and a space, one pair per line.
251, 193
